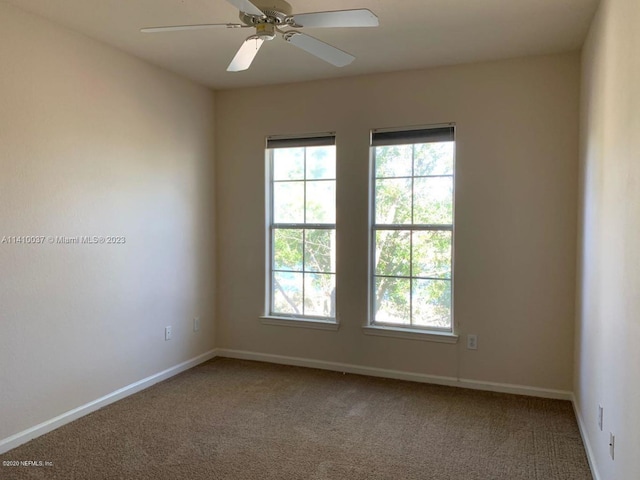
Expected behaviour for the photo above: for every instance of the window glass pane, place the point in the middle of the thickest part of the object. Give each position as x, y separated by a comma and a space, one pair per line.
288, 164
393, 201
432, 303
321, 163
303, 192
288, 202
320, 251
393, 253
432, 254
433, 200
287, 293
319, 295
287, 249
394, 161
433, 159
321, 201
392, 300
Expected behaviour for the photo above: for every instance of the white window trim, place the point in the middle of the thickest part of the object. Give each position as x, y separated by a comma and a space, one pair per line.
399, 331
410, 333
300, 322
329, 323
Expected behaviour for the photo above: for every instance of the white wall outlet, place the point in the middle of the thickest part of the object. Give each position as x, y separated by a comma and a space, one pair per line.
196, 324
600, 413
167, 333
472, 342
612, 445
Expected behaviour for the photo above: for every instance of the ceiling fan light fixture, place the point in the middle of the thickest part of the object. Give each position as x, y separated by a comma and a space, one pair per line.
265, 31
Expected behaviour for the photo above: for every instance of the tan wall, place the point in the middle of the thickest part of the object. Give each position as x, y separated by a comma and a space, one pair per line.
95, 142
608, 325
516, 214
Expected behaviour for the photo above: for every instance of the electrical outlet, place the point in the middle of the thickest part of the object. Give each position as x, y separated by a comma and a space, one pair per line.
612, 445
472, 342
600, 413
196, 324
167, 333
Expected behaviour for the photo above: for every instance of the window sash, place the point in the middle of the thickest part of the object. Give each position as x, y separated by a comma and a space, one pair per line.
411, 277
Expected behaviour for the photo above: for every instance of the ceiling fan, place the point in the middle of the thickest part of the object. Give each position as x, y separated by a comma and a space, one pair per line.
269, 17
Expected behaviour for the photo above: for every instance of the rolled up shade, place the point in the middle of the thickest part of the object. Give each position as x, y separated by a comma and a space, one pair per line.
306, 141
403, 137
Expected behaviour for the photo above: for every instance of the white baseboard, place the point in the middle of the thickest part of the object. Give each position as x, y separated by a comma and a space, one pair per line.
19, 438
397, 374
585, 440
515, 389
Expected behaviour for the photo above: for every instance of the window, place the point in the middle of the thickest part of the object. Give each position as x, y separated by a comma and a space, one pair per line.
412, 228
302, 227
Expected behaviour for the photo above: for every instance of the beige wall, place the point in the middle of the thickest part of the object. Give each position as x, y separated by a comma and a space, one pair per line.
516, 214
95, 142
608, 325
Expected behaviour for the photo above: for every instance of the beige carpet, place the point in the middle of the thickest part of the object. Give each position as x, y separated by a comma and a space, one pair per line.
232, 419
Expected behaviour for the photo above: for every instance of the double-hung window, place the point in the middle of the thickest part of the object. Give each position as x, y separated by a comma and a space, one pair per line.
412, 228
302, 227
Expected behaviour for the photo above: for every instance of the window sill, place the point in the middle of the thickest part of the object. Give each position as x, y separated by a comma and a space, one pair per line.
300, 323
411, 334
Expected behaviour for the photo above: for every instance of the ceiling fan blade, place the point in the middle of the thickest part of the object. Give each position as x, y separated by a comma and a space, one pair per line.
245, 55
173, 28
320, 49
247, 7
342, 18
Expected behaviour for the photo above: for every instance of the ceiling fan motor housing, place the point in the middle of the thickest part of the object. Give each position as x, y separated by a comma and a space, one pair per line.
276, 13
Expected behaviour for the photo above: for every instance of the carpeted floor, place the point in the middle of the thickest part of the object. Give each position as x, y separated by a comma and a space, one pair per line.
240, 420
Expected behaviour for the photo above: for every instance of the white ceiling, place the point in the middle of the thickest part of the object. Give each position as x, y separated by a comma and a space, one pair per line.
412, 34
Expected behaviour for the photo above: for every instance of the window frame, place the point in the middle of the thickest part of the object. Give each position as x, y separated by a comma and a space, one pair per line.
409, 331
293, 319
